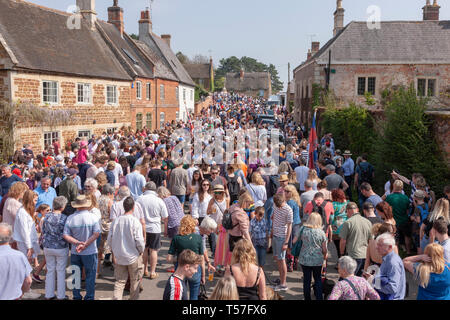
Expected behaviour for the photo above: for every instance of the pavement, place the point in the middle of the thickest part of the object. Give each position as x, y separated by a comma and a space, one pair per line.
153, 289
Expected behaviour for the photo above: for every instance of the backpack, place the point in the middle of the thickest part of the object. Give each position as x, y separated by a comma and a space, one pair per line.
273, 186
423, 213
366, 174
227, 221
233, 185
321, 210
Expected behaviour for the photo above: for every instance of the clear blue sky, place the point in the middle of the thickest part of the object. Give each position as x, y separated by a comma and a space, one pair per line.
275, 32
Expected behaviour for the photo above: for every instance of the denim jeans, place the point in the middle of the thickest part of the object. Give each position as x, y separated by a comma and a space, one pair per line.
181, 198
212, 240
89, 262
316, 272
261, 252
194, 284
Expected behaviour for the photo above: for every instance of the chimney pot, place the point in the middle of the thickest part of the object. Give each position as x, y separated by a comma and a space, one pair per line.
338, 18
145, 24
115, 17
431, 11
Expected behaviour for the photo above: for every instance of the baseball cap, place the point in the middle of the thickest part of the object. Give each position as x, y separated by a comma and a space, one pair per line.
419, 194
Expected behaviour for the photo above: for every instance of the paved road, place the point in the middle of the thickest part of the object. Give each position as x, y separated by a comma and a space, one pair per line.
153, 289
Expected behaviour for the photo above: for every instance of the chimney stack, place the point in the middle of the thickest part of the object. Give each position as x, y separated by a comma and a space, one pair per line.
338, 18
431, 11
87, 10
145, 24
115, 17
166, 38
309, 54
315, 47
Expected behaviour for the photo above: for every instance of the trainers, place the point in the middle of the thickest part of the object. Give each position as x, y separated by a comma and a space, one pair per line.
280, 288
30, 295
36, 278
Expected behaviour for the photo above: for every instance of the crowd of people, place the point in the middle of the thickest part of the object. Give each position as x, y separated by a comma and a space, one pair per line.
107, 201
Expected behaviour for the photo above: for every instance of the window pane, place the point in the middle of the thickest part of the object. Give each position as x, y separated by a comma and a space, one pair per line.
148, 91
161, 93
162, 119
431, 87
139, 121
149, 121
421, 85
371, 85
361, 86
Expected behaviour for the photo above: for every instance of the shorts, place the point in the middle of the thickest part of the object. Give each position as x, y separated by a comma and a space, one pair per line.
277, 247
153, 241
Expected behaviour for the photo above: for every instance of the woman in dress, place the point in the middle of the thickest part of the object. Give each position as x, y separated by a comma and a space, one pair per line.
293, 201
105, 203
351, 287
217, 206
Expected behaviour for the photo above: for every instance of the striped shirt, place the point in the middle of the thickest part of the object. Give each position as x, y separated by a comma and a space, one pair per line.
281, 218
175, 289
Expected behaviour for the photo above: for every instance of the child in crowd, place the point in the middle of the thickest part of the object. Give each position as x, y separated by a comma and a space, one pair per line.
188, 262
225, 289
258, 234
41, 211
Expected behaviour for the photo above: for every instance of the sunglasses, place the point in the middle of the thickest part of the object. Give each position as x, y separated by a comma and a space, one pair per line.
205, 185
218, 192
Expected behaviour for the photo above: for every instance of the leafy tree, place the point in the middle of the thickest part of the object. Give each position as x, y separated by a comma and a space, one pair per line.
407, 143
134, 36
234, 64
219, 83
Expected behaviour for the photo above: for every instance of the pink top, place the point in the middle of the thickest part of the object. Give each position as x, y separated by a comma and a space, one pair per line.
81, 156
343, 291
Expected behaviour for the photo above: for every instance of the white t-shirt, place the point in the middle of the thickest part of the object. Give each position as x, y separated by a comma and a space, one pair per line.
154, 210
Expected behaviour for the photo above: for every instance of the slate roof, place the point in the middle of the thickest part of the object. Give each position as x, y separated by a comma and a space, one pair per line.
167, 65
405, 42
198, 71
162, 70
39, 39
128, 50
251, 81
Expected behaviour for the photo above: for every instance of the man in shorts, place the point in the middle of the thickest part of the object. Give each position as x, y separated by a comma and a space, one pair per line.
281, 233
154, 210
